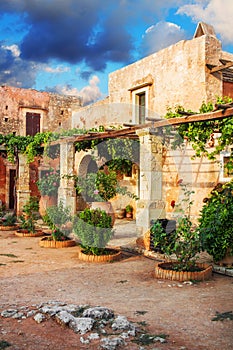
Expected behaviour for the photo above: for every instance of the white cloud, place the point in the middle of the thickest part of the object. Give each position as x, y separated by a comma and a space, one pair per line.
89, 93
218, 13
161, 35
14, 49
58, 69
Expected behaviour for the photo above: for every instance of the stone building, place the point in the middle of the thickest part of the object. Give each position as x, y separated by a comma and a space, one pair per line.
26, 112
185, 74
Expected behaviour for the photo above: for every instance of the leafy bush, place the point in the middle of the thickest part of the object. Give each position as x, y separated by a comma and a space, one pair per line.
94, 228
49, 183
184, 242
58, 218
29, 214
161, 232
216, 219
8, 220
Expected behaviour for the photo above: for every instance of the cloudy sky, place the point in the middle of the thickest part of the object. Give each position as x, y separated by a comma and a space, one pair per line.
70, 46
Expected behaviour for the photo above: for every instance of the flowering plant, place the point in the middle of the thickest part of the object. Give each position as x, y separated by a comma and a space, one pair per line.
49, 183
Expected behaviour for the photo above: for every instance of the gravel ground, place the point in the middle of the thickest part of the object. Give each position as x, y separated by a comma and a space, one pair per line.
31, 275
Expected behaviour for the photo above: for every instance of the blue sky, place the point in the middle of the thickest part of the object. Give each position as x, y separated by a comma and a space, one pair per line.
70, 46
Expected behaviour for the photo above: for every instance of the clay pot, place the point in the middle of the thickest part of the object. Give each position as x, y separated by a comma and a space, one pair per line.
45, 202
119, 213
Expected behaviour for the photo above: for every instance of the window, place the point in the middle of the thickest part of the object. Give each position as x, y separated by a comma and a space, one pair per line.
226, 174
140, 105
32, 123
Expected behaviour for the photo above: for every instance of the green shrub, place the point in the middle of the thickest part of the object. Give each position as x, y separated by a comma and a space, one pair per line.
58, 218
94, 228
8, 219
29, 216
215, 221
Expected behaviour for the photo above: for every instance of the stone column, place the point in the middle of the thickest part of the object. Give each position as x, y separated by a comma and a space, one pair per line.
23, 190
150, 205
66, 191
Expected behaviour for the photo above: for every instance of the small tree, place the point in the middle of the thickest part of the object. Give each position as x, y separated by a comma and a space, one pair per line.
94, 228
216, 219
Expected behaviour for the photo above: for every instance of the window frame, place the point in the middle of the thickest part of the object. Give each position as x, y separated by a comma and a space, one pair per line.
222, 177
135, 95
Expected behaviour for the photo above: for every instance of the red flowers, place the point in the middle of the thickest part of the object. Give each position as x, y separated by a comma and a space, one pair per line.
173, 203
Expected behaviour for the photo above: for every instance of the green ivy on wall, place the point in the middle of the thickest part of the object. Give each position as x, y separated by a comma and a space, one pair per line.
199, 134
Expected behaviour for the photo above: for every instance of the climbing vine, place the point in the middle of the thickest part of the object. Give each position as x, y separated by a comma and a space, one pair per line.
201, 134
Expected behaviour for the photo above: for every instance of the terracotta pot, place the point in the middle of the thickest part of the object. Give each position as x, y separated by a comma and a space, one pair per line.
26, 233
106, 206
45, 202
162, 272
50, 243
227, 260
119, 213
115, 256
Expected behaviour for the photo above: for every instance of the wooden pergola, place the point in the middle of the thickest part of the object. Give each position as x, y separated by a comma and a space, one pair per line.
221, 111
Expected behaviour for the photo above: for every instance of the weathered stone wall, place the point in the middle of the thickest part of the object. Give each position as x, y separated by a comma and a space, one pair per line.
176, 75
101, 113
55, 114
55, 110
200, 175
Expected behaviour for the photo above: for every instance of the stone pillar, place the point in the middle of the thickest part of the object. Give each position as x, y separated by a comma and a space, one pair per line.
23, 190
150, 205
66, 191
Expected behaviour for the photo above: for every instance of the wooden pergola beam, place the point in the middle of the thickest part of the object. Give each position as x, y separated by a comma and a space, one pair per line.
130, 130
219, 114
219, 68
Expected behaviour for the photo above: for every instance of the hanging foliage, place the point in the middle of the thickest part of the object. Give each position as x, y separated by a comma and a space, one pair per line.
201, 134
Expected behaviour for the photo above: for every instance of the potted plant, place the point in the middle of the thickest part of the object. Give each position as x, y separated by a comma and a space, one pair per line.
94, 229
58, 218
215, 220
27, 227
48, 186
98, 188
184, 244
129, 211
8, 222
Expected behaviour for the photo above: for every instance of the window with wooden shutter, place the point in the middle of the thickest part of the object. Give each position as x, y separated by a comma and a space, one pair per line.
32, 123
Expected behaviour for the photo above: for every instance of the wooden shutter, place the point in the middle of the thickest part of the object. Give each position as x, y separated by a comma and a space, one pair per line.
32, 123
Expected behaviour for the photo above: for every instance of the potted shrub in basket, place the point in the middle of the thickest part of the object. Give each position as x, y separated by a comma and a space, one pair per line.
216, 227
94, 229
183, 245
58, 219
8, 222
27, 226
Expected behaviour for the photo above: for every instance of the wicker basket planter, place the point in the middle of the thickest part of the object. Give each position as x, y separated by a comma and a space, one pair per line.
47, 242
8, 228
26, 233
162, 271
114, 256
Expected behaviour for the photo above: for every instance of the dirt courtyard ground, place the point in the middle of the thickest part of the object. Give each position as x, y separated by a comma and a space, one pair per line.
31, 275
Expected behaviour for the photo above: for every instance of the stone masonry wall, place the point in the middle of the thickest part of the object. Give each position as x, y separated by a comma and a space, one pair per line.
177, 75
